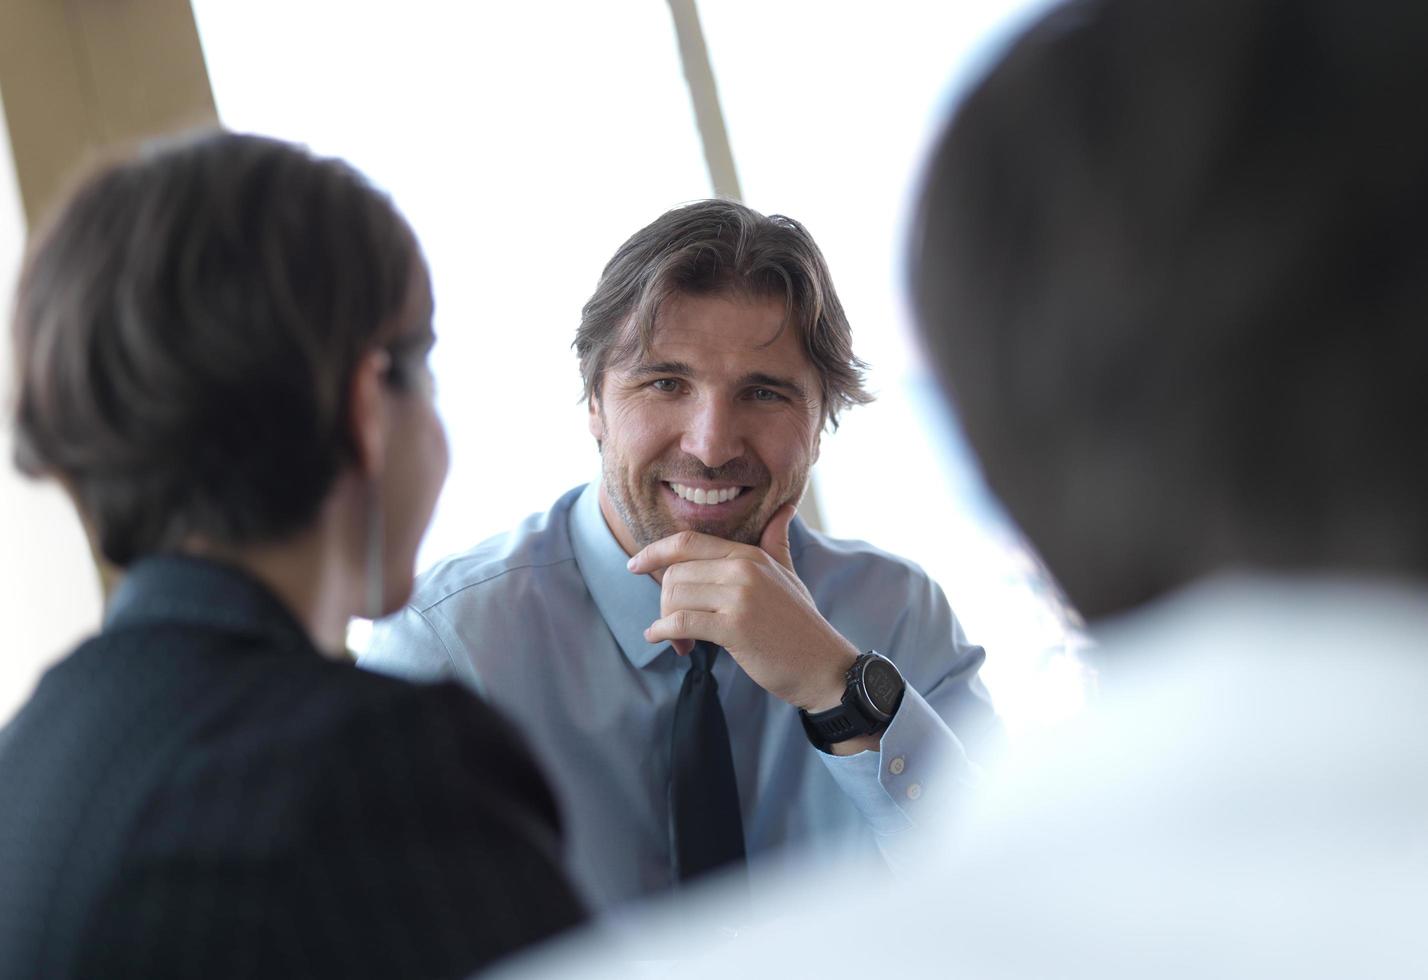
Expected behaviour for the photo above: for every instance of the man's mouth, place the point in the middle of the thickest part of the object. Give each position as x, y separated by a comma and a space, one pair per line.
705, 496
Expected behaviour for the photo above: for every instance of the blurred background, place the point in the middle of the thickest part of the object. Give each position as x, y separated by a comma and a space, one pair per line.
525, 142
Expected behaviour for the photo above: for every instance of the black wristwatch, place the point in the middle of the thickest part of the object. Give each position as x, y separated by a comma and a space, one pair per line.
874, 691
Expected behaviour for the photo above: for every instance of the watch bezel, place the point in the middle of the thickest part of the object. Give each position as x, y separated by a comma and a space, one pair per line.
865, 698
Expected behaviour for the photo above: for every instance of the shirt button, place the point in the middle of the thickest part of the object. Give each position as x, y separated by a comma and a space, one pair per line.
914, 791
897, 766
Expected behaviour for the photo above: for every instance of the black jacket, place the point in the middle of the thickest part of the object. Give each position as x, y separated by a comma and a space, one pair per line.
197, 792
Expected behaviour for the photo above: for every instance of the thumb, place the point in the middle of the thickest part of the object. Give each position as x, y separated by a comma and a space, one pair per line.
775, 537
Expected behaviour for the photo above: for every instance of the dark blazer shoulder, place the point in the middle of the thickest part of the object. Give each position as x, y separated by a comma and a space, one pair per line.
410, 731
314, 819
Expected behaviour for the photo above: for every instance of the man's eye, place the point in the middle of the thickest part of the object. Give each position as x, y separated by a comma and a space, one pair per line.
766, 395
666, 385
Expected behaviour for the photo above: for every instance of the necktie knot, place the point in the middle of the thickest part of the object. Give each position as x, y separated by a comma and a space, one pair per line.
701, 659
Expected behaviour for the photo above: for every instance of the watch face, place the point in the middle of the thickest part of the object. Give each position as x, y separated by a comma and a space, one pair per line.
883, 685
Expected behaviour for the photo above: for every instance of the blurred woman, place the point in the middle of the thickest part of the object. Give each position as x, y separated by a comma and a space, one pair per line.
222, 349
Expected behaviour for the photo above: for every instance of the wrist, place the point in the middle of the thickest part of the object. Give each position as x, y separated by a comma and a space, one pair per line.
873, 691
832, 683
863, 743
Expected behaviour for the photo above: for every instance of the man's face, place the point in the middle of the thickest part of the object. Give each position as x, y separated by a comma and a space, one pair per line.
711, 429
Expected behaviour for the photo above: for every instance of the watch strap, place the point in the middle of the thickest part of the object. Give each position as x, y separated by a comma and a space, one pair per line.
844, 720
837, 724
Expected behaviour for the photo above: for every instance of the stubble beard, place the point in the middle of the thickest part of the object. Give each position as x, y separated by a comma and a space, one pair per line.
647, 520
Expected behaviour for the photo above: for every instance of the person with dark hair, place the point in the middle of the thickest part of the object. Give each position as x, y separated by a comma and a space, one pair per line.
221, 347
709, 679
1171, 268
1170, 262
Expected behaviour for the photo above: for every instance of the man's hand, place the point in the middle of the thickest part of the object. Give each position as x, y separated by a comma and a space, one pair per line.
749, 601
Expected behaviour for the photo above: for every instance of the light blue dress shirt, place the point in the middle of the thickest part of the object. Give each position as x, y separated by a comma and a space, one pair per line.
547, 623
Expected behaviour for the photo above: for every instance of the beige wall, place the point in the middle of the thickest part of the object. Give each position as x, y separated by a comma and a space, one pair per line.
77, 79
49, 592
83, 76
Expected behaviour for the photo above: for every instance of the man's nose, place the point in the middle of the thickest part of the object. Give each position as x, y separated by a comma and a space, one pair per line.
713, 434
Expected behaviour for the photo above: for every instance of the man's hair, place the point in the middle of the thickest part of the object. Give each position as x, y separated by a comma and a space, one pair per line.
711, 247
1172, 264
185, 332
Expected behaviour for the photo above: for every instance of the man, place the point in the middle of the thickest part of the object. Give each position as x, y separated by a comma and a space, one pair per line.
714, 352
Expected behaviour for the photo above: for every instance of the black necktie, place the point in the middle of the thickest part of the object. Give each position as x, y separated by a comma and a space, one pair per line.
707, 831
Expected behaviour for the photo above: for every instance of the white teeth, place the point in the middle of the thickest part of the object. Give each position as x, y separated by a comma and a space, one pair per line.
698, 495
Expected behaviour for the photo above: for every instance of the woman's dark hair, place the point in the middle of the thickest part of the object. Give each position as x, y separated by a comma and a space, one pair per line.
185, 331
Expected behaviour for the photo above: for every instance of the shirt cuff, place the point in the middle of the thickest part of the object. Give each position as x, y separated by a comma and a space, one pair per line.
918, 768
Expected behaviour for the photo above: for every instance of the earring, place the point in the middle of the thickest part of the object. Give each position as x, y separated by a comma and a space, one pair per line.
372, 573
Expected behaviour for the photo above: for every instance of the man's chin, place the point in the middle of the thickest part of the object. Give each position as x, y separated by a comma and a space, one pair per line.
742, 528
737, 531
729, 530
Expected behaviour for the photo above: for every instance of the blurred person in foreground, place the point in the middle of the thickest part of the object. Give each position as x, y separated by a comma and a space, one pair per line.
839, 702
1172, 266
222, 350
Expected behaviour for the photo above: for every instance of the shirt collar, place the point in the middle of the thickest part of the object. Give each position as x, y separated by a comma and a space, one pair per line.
189, 591
628, 603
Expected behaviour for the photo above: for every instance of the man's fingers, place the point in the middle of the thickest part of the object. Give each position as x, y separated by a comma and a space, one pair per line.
684, 546
712, 571
696, 596
685, 624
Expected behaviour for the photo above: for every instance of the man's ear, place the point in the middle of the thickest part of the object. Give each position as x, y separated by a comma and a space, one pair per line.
367, 412
597, 420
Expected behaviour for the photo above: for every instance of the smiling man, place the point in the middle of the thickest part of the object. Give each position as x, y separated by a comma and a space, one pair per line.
707, 679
